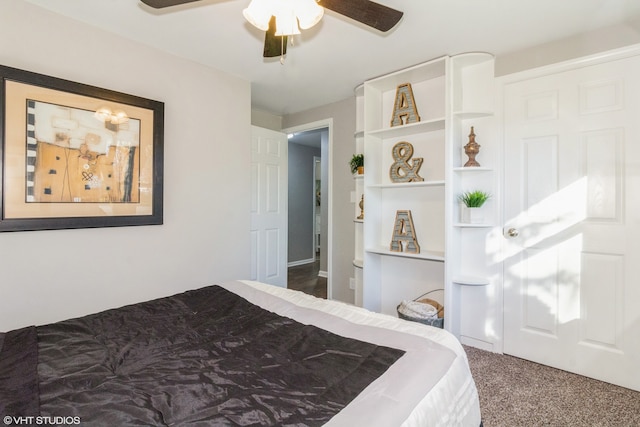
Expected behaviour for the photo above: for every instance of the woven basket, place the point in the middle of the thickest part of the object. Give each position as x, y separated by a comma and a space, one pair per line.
434, 321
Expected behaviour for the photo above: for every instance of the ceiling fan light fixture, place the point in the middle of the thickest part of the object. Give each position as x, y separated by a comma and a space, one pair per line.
258, 13
291, 15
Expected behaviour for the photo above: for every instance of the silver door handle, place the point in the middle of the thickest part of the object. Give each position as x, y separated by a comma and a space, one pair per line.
512, 232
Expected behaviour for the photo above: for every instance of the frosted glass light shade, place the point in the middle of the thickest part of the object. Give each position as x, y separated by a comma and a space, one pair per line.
286, 22
258, 13
308, 13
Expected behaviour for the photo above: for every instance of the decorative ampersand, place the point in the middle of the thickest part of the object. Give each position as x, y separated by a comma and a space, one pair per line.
402, 153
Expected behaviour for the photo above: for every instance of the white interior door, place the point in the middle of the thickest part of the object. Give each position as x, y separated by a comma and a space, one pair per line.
572, 185
269, 206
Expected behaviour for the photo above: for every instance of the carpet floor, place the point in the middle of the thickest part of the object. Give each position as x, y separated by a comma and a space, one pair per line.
515, 392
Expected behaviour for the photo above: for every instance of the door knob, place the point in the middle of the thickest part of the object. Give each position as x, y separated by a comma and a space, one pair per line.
512, 232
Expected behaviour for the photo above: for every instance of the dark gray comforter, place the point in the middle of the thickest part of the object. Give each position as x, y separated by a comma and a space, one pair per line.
204, 357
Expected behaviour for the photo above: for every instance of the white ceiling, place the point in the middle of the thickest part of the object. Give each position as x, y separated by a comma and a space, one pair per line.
329, 60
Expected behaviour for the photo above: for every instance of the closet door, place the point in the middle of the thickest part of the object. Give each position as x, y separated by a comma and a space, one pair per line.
572, 230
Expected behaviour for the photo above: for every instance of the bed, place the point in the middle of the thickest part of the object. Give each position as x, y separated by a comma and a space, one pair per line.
238, 353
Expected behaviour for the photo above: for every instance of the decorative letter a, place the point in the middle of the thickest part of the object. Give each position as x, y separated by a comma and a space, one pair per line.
405, 106
403, 239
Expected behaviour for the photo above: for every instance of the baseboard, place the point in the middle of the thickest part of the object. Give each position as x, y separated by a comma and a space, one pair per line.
322, 273
301, 262
474, 342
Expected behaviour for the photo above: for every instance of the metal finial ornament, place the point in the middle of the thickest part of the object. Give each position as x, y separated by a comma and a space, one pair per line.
361, 205
471, 150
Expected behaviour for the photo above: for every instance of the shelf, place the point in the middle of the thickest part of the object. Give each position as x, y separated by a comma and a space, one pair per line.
472, 114
358, 134
470, 225
409, 129
470, 281
424, 255
358, 220
408, 184
472, 169
358, 263
358, 176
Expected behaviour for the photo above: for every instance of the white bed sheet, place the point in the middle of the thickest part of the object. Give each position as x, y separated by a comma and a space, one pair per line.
431, 385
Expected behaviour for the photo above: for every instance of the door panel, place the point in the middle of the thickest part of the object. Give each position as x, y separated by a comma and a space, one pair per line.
571, 182
269, 206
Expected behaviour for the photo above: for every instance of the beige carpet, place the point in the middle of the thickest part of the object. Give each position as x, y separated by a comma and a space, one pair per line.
514, 392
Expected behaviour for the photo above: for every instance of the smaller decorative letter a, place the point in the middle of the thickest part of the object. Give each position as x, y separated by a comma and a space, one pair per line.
404, 239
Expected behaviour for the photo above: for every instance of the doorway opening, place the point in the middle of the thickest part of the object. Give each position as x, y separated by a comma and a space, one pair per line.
309, 224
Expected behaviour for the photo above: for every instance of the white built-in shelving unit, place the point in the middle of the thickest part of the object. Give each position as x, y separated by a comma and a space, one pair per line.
451, 94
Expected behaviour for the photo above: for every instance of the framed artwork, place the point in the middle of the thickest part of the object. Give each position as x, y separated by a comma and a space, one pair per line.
77, 156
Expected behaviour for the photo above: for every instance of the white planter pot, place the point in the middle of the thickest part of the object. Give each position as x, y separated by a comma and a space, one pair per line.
472, 215
476, 216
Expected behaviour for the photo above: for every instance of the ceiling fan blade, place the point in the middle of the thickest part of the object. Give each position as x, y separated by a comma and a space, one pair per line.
370, 13
274, 45
159, 4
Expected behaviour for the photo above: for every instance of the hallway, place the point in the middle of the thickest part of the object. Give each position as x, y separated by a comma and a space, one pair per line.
305, 278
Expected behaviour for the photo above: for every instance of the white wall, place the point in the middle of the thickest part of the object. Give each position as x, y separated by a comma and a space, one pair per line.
343, 114
266, 120
578, 46
47, 276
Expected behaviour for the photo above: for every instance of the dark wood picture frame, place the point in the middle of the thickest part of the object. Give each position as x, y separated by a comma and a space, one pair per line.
77, 156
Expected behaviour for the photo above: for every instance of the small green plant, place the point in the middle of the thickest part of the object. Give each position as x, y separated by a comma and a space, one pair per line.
356, 161
474, 199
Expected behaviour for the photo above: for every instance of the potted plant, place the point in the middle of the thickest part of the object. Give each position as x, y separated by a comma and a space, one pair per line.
357, 164
473, 201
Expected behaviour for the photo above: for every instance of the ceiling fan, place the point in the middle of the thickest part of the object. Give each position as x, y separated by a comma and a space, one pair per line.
370, 13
